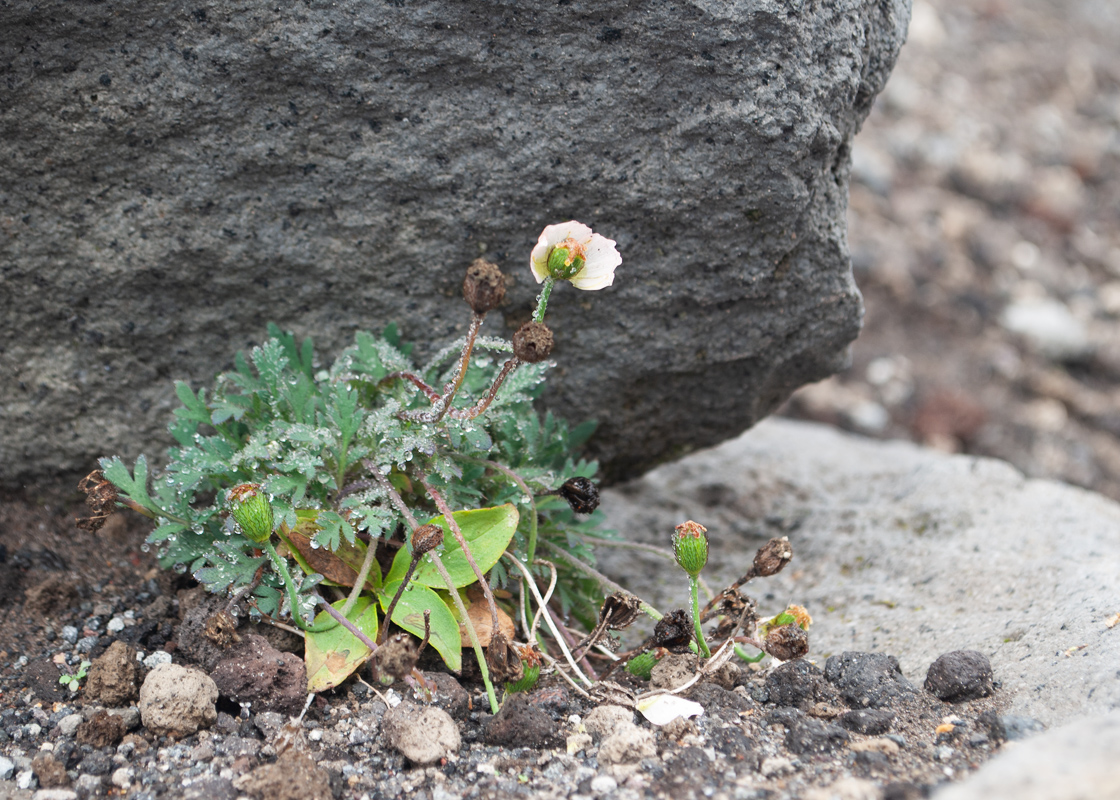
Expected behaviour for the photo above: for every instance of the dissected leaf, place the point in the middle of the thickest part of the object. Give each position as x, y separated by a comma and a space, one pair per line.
333, 655
409, 614
487, 531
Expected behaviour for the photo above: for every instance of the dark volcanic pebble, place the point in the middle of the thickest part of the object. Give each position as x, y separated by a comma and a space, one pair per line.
867, 680
798, 683
868, 721
256, 672
805, 734
519, 723
449, 695
737, 746
960, 675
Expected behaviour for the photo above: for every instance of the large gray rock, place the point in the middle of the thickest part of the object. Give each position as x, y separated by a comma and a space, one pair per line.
178, 174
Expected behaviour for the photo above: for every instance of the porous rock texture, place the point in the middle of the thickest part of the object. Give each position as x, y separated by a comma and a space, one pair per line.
177, 175
178, 701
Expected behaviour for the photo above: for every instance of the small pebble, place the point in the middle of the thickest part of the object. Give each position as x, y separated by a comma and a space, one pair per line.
116, 625
70, 634
68, 725
86, 644
157, 658
7, 768
603, 784
25, 779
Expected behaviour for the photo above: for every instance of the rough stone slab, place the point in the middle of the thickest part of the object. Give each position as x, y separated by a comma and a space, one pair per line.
900, 550
177, 175
1074, 762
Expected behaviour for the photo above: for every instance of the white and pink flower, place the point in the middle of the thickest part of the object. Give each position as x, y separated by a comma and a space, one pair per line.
571, 251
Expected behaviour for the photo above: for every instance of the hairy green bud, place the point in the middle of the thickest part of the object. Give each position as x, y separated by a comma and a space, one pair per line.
250, 507
641, 665
690, 546
527, 681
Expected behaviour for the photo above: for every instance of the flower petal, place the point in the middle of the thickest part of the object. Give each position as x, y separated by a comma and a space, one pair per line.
601, 260
664, 708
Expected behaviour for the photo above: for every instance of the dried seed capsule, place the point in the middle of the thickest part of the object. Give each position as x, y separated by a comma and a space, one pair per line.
426, 538
250, 507
582, 495
787, 642
673, 631
503, 660
619, 611
533, 342
483, 287
772, 557
690, 546
101, 497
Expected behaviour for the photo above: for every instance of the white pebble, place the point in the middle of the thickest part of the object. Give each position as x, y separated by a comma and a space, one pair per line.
157, 658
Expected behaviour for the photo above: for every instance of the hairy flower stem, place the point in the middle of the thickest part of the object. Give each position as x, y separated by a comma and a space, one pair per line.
517, 479
441, 404
472, 634
484, 403
400, 590
293, 596
694, 590
542, 299
444, 509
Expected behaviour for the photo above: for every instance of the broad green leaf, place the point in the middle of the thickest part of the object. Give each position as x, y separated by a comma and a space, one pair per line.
409, 614
332, 655
488, 532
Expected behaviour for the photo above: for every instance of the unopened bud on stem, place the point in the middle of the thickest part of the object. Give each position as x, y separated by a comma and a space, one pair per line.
690, 546
250, 507
772, 557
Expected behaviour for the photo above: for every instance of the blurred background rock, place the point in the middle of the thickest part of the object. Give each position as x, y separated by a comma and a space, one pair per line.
985, 235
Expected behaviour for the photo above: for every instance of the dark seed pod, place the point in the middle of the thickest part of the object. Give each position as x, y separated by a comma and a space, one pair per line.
503, 660
532, 342
772, 557
397, 657
787, 642
101, 498
483, 287
221, 629
582, 495
619, 611
673, 631
426, 538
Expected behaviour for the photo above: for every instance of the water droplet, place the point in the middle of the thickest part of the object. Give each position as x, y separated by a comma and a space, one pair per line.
145, 548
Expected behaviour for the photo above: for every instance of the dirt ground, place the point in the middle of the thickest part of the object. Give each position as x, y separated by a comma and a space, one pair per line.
985, 234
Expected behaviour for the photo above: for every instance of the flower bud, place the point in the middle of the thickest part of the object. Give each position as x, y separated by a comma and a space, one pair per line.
772, 557
503, 660
532, 342
582, 495
566, 259
531, 663
641, 665
483, 287
426, 538
787, 642
690, 546
250, 507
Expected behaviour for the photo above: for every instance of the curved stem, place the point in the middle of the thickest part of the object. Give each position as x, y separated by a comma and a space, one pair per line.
360, 581
444, 509
293, 595
542, 299
694, 590
547, 617
393, 604
484, 403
